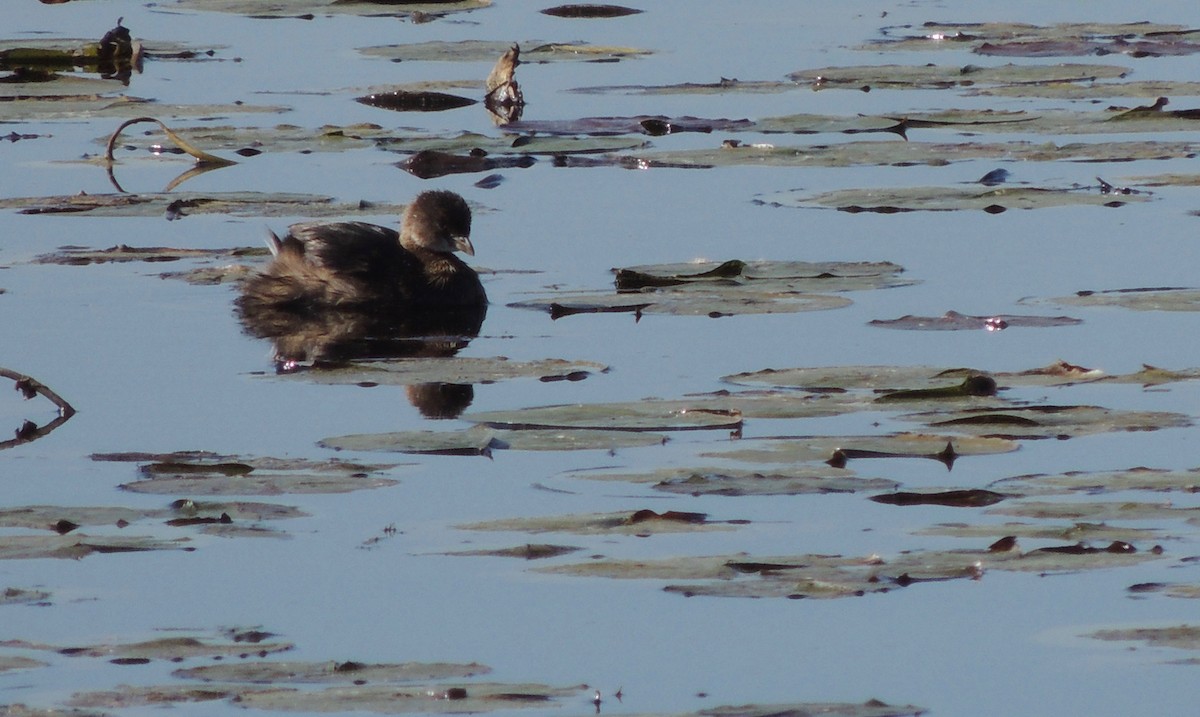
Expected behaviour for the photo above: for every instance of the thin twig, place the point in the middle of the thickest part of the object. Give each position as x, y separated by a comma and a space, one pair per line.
31, 386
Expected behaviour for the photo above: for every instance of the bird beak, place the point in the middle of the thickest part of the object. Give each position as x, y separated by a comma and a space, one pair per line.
464, 245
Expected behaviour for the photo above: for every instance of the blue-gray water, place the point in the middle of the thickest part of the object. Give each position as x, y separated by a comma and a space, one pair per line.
159, 365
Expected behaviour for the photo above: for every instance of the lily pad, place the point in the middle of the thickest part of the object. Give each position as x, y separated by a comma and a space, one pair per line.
714, 302
80, 256
838, 450
80, 545
307, 9
944, 76
1099, 532
482, 440
1183, 637
20, 596
741, 482
528, 551
329, 672
1094, 483
1141, 299
1139, 39
905, 379
175, 205
432, 699
11, 663
954, 321
1048, 421
947, 199
641, 523
635, 416
1096, 511
782, 276
532, 51
448, 369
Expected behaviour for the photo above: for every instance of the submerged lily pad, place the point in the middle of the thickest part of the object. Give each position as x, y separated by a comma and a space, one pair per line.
11, 663
79, 545
1138, 39
20, 596
839, 450
954, 321
165, 648
1097, 511
79, 256
1098, 532
642, 522
330, 672
947, 199
449, 369
713, 302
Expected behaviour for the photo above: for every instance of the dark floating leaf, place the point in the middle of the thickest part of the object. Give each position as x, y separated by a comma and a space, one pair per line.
966, 498
329, 672
653, 125
972, 385
402, 101
529, 551
954, 321
587, 10
994, 177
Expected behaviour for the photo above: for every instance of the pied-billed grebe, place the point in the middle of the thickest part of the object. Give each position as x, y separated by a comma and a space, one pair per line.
354, 266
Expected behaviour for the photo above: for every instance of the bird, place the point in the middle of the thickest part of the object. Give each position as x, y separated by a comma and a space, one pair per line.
361, 267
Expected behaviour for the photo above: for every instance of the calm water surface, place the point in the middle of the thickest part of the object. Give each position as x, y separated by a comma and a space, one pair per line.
158, 365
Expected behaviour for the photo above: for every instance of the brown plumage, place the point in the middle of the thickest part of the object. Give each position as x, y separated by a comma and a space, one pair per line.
354, 266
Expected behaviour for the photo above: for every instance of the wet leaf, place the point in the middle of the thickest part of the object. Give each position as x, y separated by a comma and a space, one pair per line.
944, 76
642, 522
781, 276
50, 517
1175, 590
1096, 483
242, 204
653, 125
403, 101
871, 708
954, 321
433, 699
1140, 39
329, 672
448, 369
947, 199
532, 51
1048, 421
1096, 91
258, 483
308, 8
634, 416
918, 378
483, 440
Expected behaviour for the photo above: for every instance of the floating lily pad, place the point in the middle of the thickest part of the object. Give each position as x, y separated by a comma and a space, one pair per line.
903, 380
653, 125
259, 483
1175, 590
1140, 39
1092, 483
308, 8
871, 708
329, 672
232, 644
433, 699
20, 596
242, 204
641, 522
1096, 91
1183, 637
826, 576
589, 10
449, 369
532, 51
1048, 421
1096, 511
635, 416
947, 199
781, 276
10, 664
841, 449
720, 87
944, 76
96, 102
740, 482
957, 498
1142, 299
713, 302
79, 545
1098, 532
954, 321
528, 551
482, 440
79, 256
